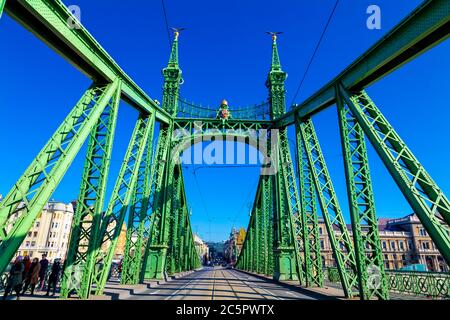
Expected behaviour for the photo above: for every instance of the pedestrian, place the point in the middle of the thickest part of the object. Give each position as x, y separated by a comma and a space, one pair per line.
15, 278
54, 276
26, 264
43, 271
32, 277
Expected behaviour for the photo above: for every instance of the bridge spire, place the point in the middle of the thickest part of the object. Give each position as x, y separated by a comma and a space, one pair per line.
172, 77
276, 65
275, 81
173, 60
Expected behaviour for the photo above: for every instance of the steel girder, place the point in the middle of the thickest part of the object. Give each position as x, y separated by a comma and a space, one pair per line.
418, 32
138, 216
178, 204
425, 197
156, 249
293, 205
119, 204
309, 216
369, 258
89, 206
340, 241
156, 192
50, 21
31, 192
2, 6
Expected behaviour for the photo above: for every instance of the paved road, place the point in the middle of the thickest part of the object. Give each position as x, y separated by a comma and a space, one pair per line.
223, 284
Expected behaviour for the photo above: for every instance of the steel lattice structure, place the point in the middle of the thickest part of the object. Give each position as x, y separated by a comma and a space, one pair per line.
149, 194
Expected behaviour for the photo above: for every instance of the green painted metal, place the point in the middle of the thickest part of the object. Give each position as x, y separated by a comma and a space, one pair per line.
138, 216
275, 84
2, 6
340, 241
425, 197
172, 78
309, 216
429, 284
293, 205
366, 238
119, 203
418, 32
31, 192
174, 219
282, 238
434, 285
89, 206
156, 251
48, 20
156, 194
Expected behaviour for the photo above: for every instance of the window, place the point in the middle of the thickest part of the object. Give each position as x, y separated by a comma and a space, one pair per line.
35, 234
27, 244
384, 245
392, 245
422, 232
320, 230
410, 245
425, 245
33, 243
37, 224
321, 244
402, 246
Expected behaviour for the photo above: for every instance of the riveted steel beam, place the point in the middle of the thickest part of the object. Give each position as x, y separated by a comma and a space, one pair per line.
51, 22
89, 206
425, 197
31, 192
425, 27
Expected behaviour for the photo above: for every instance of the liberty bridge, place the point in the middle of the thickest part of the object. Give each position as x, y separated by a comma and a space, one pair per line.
281, 256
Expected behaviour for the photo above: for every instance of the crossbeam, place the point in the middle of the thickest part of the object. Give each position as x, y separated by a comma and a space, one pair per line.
425, 27
48, 20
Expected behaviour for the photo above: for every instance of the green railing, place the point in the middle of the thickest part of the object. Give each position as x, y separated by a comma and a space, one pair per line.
421, 283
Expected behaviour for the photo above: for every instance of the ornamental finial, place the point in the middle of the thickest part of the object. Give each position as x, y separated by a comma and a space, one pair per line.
274, 34
176, 32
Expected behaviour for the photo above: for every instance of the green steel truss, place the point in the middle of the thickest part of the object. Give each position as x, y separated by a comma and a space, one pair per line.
156, 195
138, 217
119, 203
309, 216
89, 206
149, 193
369, 258
31, 192
340, 241
425, 197
293, 205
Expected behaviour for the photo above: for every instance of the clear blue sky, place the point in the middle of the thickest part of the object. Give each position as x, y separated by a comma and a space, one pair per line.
224, 53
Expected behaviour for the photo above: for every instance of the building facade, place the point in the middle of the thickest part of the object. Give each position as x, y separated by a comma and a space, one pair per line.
50, 233
233, 245
404, 242
201, 247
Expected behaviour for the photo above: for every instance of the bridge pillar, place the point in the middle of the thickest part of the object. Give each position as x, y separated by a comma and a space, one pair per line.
155, 264
285, 264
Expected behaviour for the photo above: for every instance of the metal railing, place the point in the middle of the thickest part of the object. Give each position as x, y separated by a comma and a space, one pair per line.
421, 283
187, 109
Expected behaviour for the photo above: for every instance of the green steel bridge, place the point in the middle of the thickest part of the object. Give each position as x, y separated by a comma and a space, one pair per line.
283, 238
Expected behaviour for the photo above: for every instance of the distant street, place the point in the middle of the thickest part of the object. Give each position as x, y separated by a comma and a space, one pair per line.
224, 284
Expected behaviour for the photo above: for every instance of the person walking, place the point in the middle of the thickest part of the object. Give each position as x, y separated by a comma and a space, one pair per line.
43, 271
32, 277
26, 265
54, 276
15, 278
